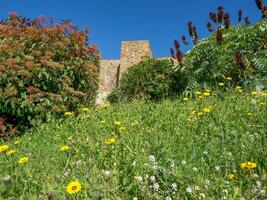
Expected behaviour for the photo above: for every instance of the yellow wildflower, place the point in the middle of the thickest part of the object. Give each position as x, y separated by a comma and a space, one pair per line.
67, 114
23, 160
64, 148
193, 112
221, 84
4, 148
238, 88
117, 123
122, 128
17, 142
105, 105
254, 93
73, 187
232, 176
249, 114
206, 94
10, 152
185, 99
198, 93
248, 165
240, 91
229, 78
110, 141
200, 113
85, 109
191, 120
206, 110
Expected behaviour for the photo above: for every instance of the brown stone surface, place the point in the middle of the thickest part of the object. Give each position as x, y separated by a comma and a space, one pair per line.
107, 78
132, 52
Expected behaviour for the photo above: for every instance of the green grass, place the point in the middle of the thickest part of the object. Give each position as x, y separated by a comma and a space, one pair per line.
178, 154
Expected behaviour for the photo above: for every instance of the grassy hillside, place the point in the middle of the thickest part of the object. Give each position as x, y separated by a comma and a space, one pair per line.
183, 149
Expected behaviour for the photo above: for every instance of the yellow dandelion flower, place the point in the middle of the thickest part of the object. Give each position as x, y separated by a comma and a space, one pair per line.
23, 160
110, 141
248, 165
249, 114
68, 114
238, 88
105, 105
10, 152
221, 84
73, 187
117, 123
64, 148
185, 99
254, 93
232, 176
207, 110
191, 120
194, 112
85, 109
122, 128
17, 142
206, 94
229, 78
4, 148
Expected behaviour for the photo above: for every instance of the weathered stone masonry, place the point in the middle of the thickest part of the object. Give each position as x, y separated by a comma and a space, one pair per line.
111, 71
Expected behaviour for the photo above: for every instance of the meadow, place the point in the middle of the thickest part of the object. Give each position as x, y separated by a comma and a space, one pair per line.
212, 146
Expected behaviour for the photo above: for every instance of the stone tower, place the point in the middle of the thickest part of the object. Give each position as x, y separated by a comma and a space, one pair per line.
111, 71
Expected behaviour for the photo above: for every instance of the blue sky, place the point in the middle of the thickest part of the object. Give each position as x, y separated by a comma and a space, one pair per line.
112, 21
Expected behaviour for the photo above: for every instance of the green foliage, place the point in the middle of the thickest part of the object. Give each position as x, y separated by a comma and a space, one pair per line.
208, 62
44, 70
165, 144
151, 79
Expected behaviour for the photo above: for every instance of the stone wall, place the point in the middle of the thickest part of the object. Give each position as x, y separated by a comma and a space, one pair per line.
107, 78
132, 52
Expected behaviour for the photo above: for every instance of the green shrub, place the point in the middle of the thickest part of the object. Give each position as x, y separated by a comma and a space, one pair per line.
150, 79
209, 62
44, 69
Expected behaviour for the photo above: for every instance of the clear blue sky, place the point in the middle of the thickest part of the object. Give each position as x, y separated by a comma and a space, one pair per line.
112, 21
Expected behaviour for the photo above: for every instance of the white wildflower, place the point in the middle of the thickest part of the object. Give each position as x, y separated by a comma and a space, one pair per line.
197, 187
202, 196
217, 168
156, 187
152, 159
189, 189
152, 178
174, 186
183, 162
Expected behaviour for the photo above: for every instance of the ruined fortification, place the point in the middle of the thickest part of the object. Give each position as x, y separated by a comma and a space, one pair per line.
111, 71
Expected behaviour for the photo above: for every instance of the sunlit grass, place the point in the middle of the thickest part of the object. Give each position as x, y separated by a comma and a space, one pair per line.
191, 149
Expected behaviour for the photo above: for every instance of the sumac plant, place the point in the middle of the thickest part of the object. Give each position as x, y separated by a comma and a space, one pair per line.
46, 68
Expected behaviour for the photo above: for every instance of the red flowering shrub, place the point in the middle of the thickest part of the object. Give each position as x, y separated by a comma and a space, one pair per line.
45, 68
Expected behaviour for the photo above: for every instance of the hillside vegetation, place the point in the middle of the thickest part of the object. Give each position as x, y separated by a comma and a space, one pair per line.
182, 149
241, 54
